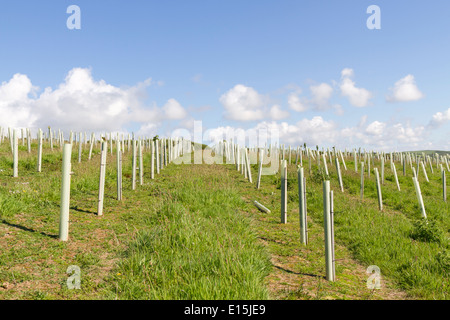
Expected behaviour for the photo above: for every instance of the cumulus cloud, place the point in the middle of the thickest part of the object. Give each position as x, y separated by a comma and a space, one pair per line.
439, 119
312, 131
148, 130
320, 95
276, 113
215, 135
405, 89
319, 99
376, 135
173, 110
376, 128
347, 73
15, 102
358, 97
243, 103
81, 103
296, 104
384, 136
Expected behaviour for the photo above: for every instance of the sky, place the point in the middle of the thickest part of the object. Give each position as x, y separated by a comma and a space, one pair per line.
314, 72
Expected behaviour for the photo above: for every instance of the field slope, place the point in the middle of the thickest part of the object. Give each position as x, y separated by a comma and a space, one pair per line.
192, 233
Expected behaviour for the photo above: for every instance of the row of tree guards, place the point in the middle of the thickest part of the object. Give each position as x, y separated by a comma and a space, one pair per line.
170, 150
328, 212
406, 159
163, 151
74, 138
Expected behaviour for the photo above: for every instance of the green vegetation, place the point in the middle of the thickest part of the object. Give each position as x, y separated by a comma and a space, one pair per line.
194, 233
180, 236
196, 245
410, 251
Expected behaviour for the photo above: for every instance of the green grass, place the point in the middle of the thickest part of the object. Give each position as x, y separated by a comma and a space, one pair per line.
407, 249
194, 233
180, 236
197, 245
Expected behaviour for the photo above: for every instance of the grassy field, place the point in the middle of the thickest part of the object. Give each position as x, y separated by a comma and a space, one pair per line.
193, 233
413, 253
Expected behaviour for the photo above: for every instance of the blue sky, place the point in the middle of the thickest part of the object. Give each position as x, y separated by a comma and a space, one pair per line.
215, 60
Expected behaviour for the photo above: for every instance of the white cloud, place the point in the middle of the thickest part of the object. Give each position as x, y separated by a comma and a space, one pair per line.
376, 135
376, 128
148, 130
321, 94
312, 131
296, 104
358, 97
188, 123
17, 89
215, 135
81, 103
348, 73
15, 102
405, 89
439, 119
405, 134
243, 103
173, 110
319, 100
276, 113
385, 136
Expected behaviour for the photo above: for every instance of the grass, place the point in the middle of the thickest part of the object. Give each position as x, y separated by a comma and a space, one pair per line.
194, 233
398, 240
299, 270
180, 236
196, 245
